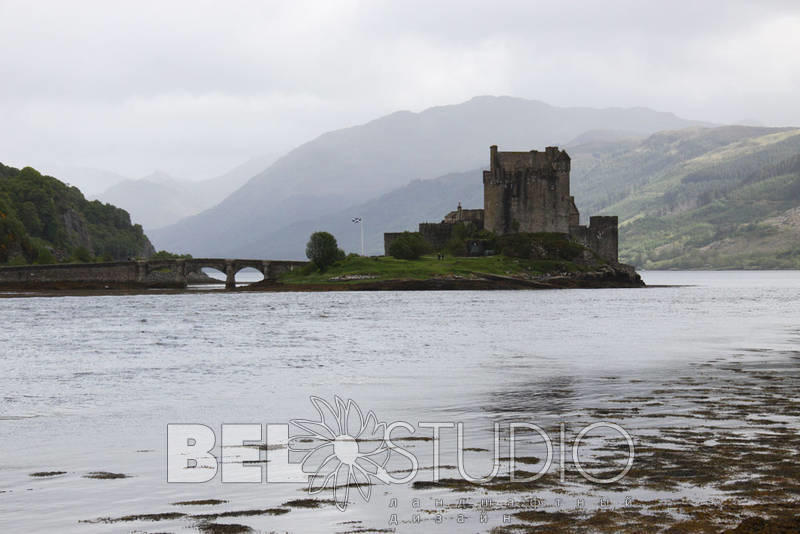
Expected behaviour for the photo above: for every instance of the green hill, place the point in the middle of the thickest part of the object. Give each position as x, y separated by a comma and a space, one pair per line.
43, 220
722, 198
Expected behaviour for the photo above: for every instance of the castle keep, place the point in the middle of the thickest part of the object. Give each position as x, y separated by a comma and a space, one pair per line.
527, 192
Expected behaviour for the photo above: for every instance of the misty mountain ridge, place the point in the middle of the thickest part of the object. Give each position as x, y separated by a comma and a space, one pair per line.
89, 180
700, 197
159, 199
348, 167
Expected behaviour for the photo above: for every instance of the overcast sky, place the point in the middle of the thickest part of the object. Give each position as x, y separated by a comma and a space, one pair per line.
194, 88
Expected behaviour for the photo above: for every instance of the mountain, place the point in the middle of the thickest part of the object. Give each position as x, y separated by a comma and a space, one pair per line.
421, 200
723, 198
155, 200
350, 166
726, 197
44, 220
158, 199
398, 210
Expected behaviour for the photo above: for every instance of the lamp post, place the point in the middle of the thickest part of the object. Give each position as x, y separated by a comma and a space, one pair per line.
359, 221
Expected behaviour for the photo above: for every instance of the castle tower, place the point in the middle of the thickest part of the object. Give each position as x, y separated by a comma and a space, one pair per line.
528, 192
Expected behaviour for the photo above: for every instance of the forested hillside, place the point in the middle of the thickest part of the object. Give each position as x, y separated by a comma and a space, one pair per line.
43, 220
724, 198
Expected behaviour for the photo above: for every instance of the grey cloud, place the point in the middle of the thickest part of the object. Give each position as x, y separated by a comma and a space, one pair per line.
194, 88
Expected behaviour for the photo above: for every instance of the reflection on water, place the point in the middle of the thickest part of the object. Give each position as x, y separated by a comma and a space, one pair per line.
536, 399
89, 383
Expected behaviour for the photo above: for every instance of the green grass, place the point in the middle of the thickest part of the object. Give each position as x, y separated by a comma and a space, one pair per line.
427, 267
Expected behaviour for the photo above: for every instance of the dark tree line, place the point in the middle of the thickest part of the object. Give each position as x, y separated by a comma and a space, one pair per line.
43, 220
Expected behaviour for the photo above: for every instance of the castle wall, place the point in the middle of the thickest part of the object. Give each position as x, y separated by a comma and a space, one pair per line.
603, 237
579, 233
474, 216
574, 214
437, 234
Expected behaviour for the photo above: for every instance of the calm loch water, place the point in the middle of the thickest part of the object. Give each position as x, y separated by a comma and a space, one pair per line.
89, 383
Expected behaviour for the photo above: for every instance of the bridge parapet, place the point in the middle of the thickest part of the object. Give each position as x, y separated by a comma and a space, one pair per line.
139, 272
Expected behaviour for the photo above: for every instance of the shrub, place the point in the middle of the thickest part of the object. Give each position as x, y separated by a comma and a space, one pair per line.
409, 246
81, 255
540, 246
165, 255
44, 256
323, 251
18, 260
462, 234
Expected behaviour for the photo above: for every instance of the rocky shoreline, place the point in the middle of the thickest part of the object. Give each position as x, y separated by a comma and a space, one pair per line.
608, 276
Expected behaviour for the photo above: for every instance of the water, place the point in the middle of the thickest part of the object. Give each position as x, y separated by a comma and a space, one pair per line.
89, 383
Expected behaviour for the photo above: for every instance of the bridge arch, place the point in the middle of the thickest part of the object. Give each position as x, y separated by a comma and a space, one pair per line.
196, 265
259, 265
210, 271
249, 275
229, 267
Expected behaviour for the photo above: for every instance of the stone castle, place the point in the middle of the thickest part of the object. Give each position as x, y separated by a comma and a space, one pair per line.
526, 192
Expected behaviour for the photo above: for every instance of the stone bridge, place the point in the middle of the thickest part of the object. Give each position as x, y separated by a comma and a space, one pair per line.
140, 272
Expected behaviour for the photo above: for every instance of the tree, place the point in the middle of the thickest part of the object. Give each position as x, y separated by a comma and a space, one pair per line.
409, 246
323, 250
39, 212
30, 218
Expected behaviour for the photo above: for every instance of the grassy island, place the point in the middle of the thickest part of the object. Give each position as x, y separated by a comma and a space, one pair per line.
357, 269
527, 261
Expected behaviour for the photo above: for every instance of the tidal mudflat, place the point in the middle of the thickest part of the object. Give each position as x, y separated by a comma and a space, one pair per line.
702, 372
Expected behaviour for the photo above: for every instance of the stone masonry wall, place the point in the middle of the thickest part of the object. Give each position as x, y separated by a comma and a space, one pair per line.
603, 237
114, 272
527, 192
437, 234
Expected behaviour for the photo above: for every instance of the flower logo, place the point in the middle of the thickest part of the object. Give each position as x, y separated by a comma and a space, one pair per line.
343, 448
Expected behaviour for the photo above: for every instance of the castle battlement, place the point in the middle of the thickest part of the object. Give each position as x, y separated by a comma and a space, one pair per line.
505, 165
